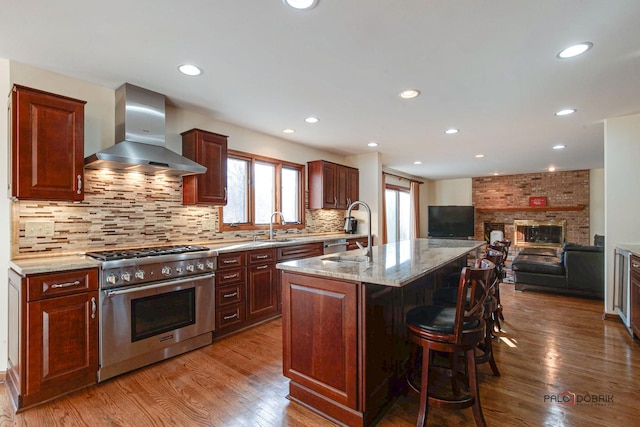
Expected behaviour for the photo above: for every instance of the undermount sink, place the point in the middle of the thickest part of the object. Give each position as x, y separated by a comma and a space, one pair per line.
347, 258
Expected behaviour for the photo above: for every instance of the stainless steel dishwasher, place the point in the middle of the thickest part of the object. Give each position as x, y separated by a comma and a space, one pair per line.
333, 246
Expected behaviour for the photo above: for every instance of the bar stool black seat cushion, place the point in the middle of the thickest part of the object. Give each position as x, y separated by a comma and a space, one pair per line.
436, 318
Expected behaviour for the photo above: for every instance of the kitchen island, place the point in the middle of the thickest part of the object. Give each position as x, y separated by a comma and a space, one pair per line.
345, 346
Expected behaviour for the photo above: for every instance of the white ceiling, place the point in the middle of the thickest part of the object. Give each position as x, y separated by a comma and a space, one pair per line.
487, 67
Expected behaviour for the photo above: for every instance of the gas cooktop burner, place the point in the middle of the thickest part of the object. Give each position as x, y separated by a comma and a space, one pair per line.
143, 252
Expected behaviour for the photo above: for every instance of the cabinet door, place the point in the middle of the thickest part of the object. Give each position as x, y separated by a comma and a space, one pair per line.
47, 143
262, 290
210, 150
329, 182
342, 177
353, 186
320, 337
62, 339
634, 295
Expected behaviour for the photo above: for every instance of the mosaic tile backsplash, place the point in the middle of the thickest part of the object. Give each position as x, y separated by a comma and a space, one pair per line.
129, 209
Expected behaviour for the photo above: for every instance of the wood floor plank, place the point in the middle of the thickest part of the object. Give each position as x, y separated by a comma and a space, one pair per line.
549, 344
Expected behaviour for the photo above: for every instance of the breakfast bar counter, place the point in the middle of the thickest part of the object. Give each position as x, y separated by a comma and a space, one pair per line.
345, 347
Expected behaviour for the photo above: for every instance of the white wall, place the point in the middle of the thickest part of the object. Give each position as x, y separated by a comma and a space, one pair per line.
5, 218
455, 192
596, 202
622, 200
370, 180
242, 139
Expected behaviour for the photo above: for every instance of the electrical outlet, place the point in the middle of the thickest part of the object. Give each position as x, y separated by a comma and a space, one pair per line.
38, 228
208, 225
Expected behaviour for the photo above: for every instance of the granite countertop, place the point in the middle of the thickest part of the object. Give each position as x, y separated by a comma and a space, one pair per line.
50, 264
634, 248
393, 264
283, 240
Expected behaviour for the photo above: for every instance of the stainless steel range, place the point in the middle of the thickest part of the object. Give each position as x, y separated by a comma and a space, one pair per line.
156, 303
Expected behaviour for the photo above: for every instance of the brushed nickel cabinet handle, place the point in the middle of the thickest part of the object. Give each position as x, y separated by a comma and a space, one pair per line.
262, 256
634, 265
230, 261
231, 276
94, 307
79, 184
262, 267
231, 295
233, 316
65, 285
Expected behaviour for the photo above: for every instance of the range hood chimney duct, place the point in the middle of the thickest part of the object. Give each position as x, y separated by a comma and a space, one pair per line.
140, 137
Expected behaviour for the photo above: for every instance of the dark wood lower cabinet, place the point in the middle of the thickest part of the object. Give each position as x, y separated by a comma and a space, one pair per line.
248, 288
53, 338
345, 346
263, 297
634, 295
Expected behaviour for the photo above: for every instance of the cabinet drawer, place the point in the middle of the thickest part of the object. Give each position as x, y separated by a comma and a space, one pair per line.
227, 277
229, 295
299, 251
261, 256
235, 259
229, 316
57, 284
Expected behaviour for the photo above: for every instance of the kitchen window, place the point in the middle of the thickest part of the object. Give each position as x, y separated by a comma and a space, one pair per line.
256, 187
398, 210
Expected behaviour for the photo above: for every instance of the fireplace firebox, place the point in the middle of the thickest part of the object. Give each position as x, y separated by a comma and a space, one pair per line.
539, 233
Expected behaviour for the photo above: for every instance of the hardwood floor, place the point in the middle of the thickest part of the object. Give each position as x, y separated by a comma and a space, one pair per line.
550, 344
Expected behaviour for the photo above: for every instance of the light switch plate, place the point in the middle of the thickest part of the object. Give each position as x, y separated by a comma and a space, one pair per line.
38, 228
208, 225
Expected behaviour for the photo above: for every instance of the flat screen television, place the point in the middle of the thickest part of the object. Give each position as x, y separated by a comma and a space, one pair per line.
451, 221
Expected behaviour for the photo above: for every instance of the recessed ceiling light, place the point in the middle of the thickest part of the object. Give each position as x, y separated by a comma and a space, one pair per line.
189, 70
575, 50
496, 173
288, 130
552, 169
451, 131
566, 112
410, 93
559, 147
372, 144
479, 156
312, 120
301, 4
417, 162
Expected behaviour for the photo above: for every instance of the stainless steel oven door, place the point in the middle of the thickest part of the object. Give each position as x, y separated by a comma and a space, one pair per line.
144, 324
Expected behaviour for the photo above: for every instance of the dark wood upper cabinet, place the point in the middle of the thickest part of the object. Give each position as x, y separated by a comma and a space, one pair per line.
47, 146
332, 186
210, 150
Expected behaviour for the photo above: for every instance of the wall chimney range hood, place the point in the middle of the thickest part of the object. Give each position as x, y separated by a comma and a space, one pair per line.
140, 137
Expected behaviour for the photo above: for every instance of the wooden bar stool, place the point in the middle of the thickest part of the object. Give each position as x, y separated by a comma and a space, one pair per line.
448, 297
456, 332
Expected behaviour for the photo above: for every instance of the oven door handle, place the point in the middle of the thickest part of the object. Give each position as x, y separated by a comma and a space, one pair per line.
111, 293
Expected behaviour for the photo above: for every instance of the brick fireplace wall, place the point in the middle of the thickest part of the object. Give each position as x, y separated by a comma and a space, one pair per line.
562, 189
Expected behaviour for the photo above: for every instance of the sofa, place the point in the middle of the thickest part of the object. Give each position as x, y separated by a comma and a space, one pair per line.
574, 269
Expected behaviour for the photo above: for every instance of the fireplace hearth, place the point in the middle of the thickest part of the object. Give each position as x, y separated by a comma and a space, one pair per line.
539, 233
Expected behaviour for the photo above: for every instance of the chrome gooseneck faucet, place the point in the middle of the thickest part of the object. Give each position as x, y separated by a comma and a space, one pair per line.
271, 222
367, 250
